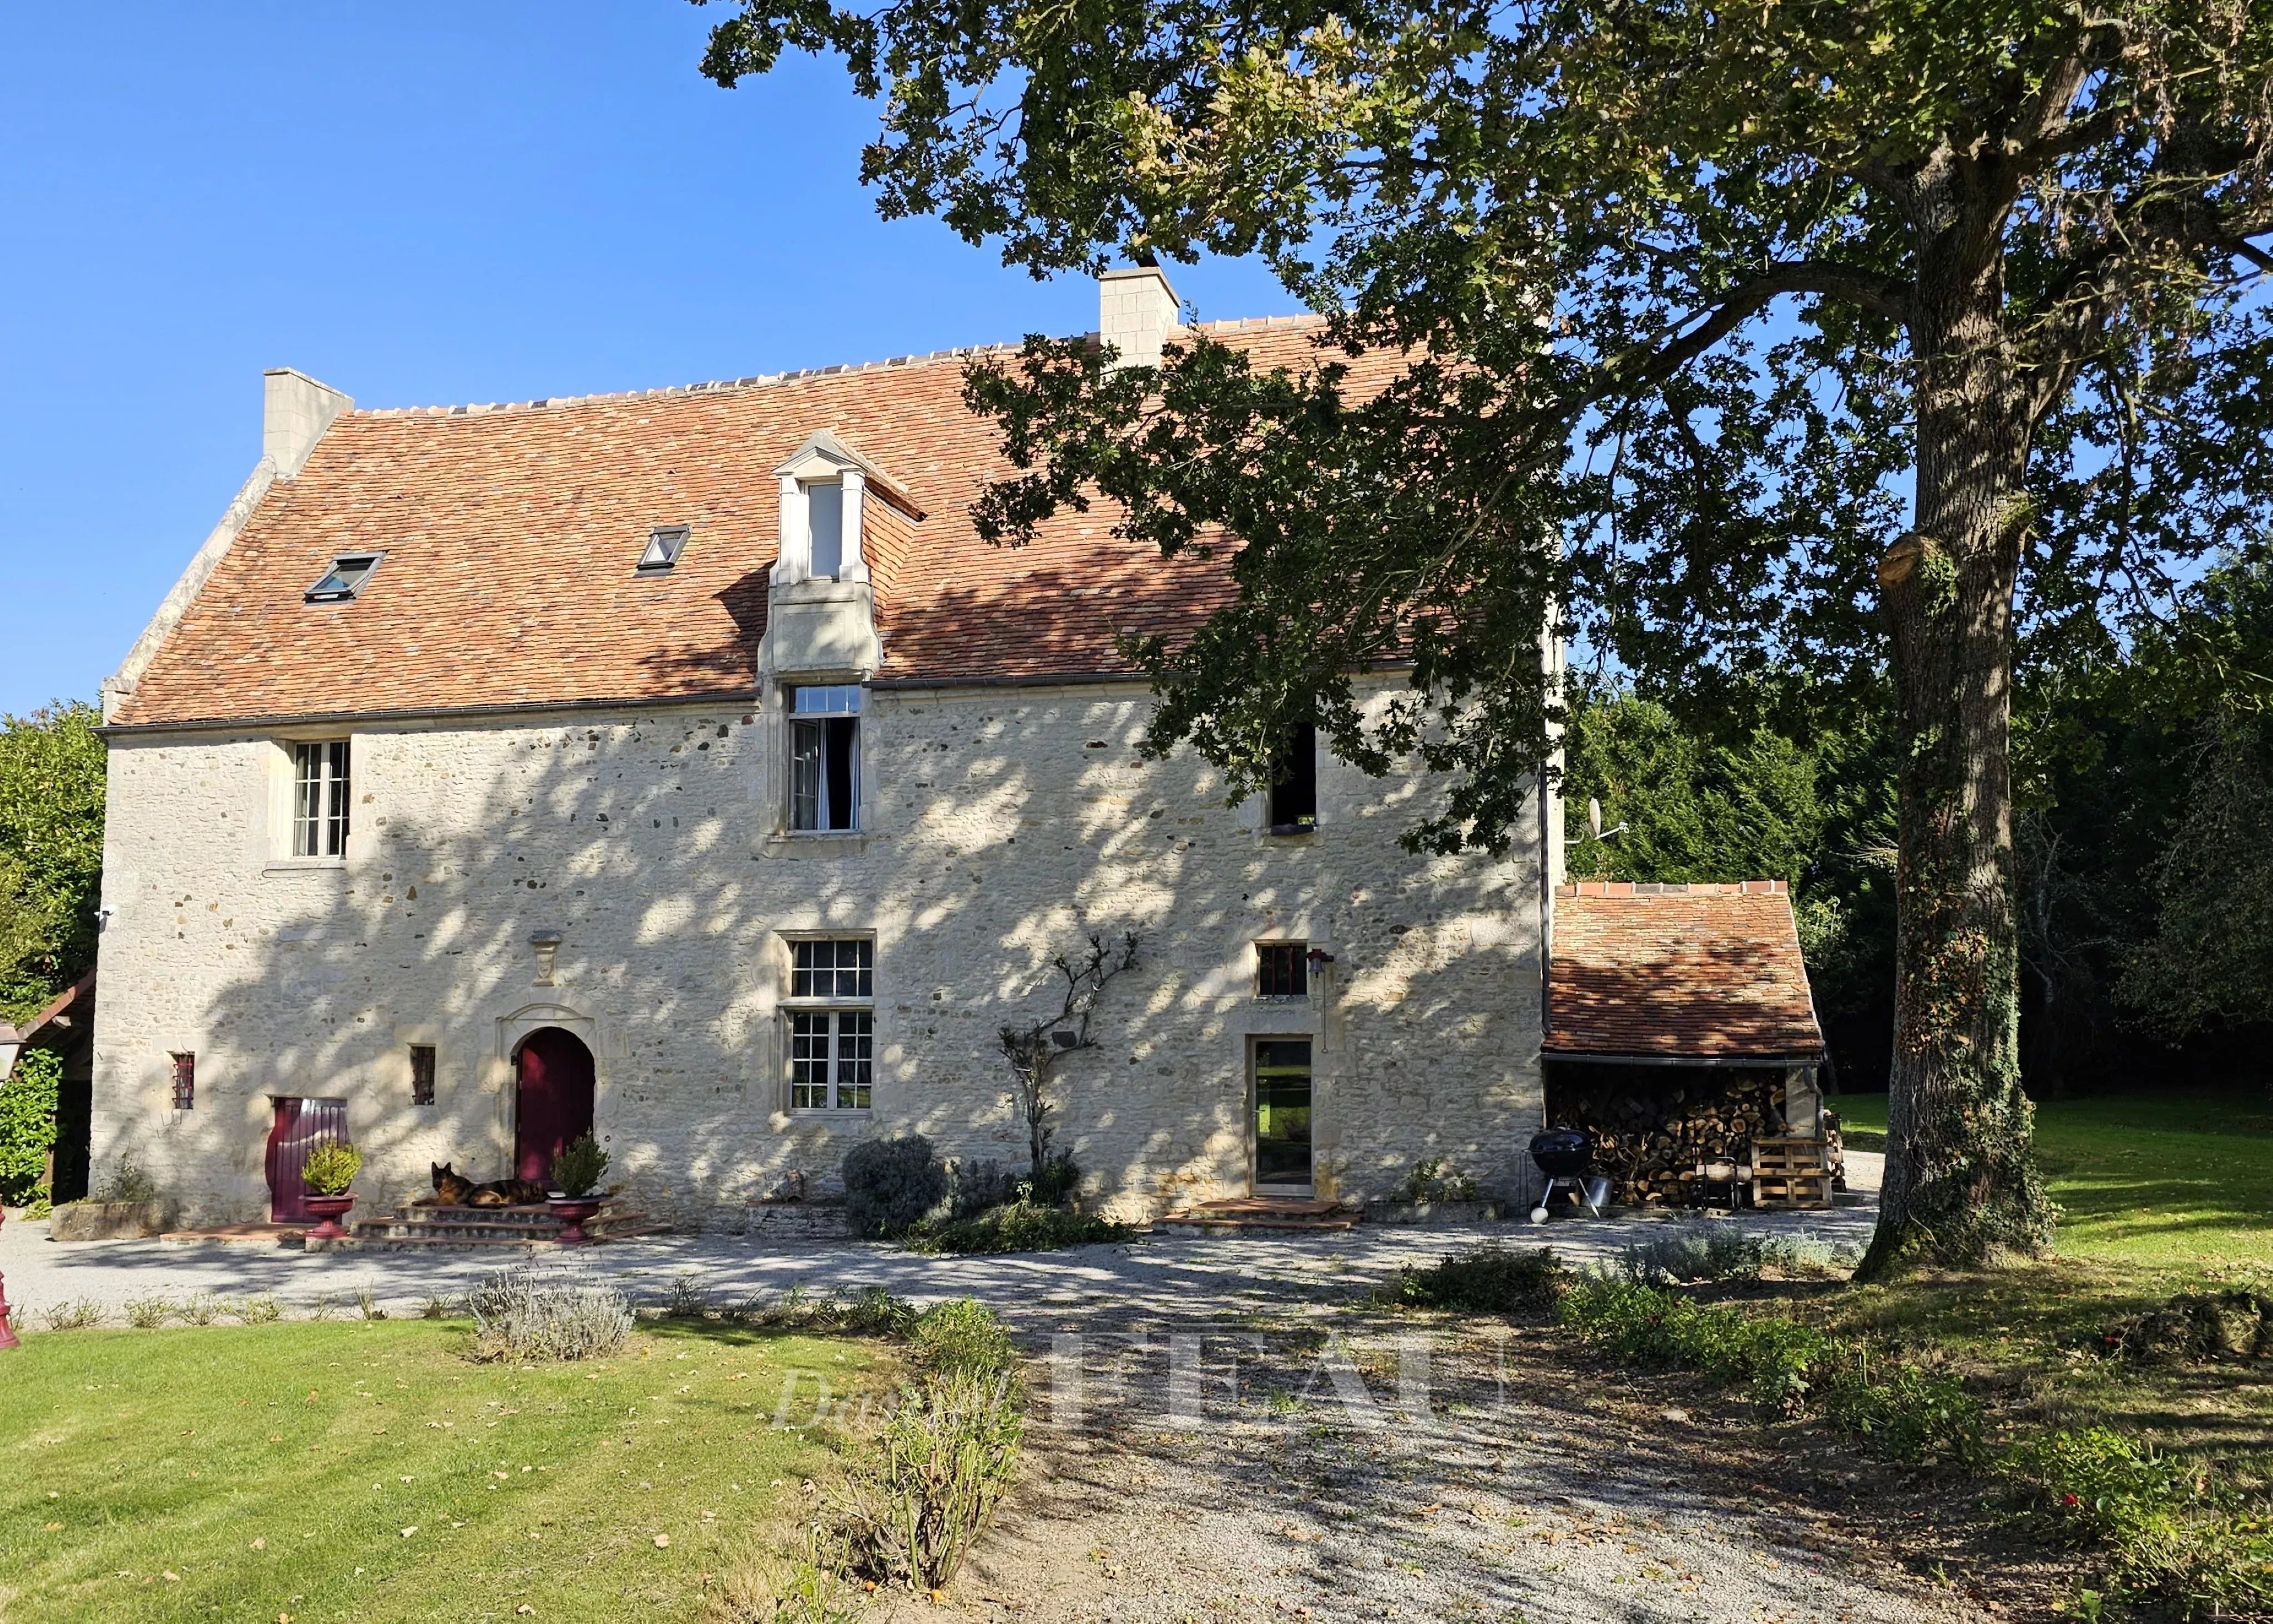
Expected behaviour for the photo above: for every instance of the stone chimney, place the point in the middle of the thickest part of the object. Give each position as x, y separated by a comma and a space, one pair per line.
1136, 311
294, 412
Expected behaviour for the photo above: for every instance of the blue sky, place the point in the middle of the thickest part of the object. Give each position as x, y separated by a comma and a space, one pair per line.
418, 202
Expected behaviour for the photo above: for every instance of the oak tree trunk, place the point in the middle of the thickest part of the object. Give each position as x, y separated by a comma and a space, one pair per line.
1960, 1182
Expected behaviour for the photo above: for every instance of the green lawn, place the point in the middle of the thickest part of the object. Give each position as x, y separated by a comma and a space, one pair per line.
2167, 1181
2157, 1195
372, 1472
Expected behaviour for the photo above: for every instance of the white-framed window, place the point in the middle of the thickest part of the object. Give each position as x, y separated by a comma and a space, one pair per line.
319, 798
831, 1022
824, 523
824, 759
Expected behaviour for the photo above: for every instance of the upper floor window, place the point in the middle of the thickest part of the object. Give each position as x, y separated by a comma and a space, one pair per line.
1294, 783
421, 1073
1282, 969
824, 520
319, 798
824, 751
832, 1024
345, 578
185, 1081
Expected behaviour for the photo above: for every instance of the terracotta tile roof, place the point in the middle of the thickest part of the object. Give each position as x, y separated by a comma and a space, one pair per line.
1700, 972
510, 534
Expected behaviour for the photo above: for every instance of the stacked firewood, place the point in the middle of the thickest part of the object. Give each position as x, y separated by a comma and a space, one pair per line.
1647, 1138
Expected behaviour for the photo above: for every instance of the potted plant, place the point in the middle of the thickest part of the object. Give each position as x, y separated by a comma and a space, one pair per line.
576, 1172
329, 1175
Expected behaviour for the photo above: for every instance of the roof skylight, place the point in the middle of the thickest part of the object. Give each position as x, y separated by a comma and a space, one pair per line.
664, 543
345, 578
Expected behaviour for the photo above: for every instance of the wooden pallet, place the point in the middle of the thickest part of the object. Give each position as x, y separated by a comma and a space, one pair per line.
1791, 1173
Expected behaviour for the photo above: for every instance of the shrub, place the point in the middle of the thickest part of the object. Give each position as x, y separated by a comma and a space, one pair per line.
1907, 1413
577, 1169
203, 1308
948, 1450
127, 1183
521, 1315
1022, 1226
261, 1310
1053, 1184
1491, 1278
1692, 1252
2177, 1544
890, 1185
974, 1186
147, 1313
80, 1314
874, 1313
1649, 1326
1803, 1254
688, 1298
331, 1168
962, 1337
27, 1125
1429, 1181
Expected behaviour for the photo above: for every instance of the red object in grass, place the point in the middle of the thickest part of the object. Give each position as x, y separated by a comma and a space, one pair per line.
572, 1210
330, 1210
7, 1336
2069, 1499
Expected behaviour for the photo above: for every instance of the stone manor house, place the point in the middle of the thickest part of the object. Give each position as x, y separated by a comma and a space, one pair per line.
682, 765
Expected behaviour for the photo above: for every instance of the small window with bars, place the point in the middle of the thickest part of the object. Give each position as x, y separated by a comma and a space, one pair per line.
832, 1048
421, 1073
185, 1081
1282, 969
321, 786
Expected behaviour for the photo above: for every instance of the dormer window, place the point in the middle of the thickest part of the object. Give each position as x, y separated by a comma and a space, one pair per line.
664, 543
345, 578
824, 518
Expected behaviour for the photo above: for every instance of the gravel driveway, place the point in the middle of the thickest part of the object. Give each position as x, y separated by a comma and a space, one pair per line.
1227, 1434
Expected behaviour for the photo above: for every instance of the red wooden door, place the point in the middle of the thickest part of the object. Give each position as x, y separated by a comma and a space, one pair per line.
301, 1126
553, 1101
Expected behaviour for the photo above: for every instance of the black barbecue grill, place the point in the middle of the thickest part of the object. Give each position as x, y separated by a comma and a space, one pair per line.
1566, 1157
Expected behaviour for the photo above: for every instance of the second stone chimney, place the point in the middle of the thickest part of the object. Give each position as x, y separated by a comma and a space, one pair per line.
1135, 312
296, 410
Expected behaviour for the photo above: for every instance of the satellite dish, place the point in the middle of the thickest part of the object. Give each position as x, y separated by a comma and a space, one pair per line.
1594, 817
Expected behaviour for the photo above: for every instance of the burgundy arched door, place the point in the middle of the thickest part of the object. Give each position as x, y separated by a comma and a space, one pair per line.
553, 1101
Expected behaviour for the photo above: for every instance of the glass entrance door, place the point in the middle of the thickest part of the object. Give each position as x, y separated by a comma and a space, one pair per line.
1282, 1112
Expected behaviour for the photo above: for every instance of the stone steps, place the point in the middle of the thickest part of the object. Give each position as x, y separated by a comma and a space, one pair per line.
468, 1227
1259, 1215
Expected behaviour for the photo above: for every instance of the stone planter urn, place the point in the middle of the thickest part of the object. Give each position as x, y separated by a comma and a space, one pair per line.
329, 1209
574, 1211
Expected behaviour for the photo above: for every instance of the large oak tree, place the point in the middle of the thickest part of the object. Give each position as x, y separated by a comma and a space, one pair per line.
1847, 341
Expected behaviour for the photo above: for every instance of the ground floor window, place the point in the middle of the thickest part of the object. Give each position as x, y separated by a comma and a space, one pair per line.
831, 1058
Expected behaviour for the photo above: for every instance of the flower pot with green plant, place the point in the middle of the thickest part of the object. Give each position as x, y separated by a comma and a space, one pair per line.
577, 1171
329, 1175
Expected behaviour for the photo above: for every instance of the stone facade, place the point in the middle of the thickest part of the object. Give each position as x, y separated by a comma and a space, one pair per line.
999, 826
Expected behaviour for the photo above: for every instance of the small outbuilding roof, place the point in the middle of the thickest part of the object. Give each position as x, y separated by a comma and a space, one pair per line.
1709, 973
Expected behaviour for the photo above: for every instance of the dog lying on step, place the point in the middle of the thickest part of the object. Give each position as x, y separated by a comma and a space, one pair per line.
453, 1188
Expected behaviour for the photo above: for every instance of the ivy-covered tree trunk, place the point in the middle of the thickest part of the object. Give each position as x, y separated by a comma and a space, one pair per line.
1960, 1181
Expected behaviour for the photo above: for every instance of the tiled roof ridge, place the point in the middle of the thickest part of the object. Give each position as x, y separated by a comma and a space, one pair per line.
1643, 887
767, 381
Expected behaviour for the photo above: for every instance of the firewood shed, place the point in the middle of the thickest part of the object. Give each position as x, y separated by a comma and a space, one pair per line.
1682, 1036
